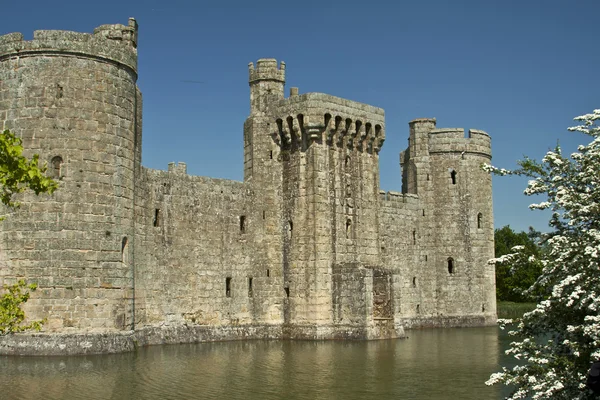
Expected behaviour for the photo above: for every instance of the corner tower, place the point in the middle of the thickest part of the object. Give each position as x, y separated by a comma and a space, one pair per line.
72, 98
443, 167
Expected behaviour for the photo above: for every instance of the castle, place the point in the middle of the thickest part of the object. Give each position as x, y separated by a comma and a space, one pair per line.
307, 246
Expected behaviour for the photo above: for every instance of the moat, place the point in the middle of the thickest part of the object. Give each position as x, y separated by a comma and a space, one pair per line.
430, 364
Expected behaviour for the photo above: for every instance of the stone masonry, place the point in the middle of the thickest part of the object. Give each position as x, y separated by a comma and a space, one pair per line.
306, 247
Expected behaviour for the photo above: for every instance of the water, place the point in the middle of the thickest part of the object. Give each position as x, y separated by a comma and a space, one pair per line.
431, 364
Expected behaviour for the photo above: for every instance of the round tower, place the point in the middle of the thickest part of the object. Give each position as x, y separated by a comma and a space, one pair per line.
72, 98
267, 83
461, 206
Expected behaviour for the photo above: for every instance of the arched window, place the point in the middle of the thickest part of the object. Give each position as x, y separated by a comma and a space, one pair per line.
479, 221
453, 176
55, 167
450, 265
348, 228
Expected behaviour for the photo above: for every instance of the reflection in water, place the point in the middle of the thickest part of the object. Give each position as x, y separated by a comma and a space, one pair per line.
431, 364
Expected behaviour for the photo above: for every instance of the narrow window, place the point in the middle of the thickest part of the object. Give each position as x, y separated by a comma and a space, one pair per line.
242, 223
479, 220
348, 228
347, 161
414, 237
271, 154
450, 265
124, 248
427, 176
287, 291
264, 214
268, 273
228, 287
425, 257
453, 177
55, 167
250, 287
423, 212
156, 221
482, 307
418, 308
414, 281
290, 228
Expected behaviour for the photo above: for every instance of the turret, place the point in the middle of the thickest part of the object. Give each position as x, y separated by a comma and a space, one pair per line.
266, 83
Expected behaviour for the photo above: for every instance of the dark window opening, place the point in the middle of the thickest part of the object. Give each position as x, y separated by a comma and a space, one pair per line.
348, 228
414, 281
414, 237
287, 291
483, 308
290, 228
427, 176
450, 266
242, 223
268, 273
347, 161
425, 257
453, 177
55, 167
156, 221
423, 212
249, 286
124, 246
479, 220
264, 214
228, 287
271, 154
418, 308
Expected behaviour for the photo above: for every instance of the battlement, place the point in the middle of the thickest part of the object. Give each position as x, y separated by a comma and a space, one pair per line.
179, 168
266, 70
453, 140
318, 116
116, 43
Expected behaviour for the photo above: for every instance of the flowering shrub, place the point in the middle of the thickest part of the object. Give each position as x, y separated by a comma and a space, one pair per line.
558, 341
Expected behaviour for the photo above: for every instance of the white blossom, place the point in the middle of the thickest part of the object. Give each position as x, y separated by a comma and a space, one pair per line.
557, 341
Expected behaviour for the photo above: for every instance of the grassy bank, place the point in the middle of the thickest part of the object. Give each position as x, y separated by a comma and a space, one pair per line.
510, 310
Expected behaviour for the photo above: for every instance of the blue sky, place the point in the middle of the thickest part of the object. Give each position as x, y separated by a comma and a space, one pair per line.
520, 70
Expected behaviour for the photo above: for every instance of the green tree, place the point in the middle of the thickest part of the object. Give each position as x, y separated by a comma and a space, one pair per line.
512, 284
17, 174
11, 313
556, 343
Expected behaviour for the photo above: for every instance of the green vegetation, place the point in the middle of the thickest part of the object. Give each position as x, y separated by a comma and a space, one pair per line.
11, 314
17, 174
512, 284
512, 310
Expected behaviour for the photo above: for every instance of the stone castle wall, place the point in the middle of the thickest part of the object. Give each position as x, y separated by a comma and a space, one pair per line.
83, 124
306, 247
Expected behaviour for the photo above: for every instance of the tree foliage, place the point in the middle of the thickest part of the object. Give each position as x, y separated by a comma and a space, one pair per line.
18, 173
512, 284
11, 313
557, 342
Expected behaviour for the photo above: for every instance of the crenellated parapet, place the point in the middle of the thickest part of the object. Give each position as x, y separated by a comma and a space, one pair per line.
266, 69
453, 140
112, 43
316, 117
